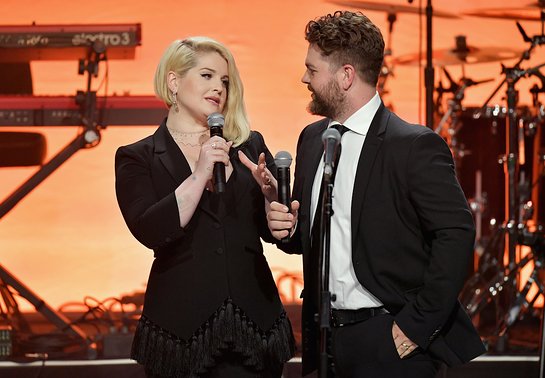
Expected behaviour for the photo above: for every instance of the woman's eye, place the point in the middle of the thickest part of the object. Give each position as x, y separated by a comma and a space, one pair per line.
206, 75
225, 83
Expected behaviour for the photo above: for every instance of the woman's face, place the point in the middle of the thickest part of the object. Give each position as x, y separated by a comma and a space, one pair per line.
203, 89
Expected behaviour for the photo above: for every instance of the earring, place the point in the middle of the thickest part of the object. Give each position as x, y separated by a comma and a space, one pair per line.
175, 101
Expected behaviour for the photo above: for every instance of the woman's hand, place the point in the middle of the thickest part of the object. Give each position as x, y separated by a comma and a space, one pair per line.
262, 175
214, 150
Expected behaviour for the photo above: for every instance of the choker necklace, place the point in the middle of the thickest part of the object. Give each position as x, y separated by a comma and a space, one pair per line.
192, 139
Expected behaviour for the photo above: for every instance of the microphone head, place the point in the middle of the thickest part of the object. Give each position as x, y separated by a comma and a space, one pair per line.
216, 120
282, 159
331, 134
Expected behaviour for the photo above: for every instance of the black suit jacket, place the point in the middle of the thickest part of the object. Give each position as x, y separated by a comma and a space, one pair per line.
412, 235
218, 255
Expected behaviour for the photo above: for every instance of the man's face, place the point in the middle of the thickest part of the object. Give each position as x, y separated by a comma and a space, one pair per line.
321, 79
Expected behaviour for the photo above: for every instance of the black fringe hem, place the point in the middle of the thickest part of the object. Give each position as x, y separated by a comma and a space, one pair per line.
165, 354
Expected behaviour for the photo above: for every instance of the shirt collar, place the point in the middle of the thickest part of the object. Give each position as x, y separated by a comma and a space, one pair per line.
360, 121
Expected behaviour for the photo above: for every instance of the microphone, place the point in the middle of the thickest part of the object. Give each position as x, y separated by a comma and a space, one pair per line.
283, 161
331, 138
215, 123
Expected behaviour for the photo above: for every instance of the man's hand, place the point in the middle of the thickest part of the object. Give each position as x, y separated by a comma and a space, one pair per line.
262, 175
404, 345
281, 222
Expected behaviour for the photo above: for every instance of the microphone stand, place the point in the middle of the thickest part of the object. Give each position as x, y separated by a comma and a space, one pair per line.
325, 294
429, 73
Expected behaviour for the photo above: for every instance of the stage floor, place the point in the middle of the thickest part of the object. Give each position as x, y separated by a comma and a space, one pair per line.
481, 367
517, 359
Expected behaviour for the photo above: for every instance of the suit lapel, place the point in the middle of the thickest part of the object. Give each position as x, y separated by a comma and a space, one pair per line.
371, 147
313, 151
175, 163
170, 155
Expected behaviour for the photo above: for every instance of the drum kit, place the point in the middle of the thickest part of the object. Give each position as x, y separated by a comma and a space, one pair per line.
499, 153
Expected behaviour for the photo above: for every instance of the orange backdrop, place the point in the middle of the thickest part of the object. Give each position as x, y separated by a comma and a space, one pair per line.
67, 239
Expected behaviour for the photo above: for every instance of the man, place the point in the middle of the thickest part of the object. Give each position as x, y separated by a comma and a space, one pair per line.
401, 234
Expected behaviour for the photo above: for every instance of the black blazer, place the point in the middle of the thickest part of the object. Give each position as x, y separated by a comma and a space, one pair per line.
412, 235
218, 255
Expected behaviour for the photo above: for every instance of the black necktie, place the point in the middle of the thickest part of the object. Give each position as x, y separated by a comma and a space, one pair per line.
315, 233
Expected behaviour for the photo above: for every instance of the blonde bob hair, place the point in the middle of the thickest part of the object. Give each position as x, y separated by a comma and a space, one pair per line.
181, 56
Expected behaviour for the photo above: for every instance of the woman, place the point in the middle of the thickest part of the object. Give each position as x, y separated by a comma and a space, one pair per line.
211, 307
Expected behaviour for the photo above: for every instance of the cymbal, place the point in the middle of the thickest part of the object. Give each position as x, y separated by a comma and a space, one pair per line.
449, 57
536, 4
391, 8
520, 14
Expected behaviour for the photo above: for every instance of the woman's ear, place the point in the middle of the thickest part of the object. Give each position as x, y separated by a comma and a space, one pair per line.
171, 81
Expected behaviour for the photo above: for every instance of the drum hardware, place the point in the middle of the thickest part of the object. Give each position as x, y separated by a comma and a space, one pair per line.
461, 54
498, 279
492, 284
430, 13
454, 105
478, 205
387, 68
452, 120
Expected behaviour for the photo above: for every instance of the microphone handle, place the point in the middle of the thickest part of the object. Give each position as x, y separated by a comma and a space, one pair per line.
284, 191
284, 186
219, 168
219, 177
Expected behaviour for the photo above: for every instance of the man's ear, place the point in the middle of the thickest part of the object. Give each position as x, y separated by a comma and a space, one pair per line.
348, 73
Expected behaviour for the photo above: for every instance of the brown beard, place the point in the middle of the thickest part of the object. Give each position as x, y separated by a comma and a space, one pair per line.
329, 102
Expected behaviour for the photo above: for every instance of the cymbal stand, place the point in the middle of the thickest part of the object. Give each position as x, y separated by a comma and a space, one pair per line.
511, 161
538, 119
454, 105
387, 68
429, 71
534, 41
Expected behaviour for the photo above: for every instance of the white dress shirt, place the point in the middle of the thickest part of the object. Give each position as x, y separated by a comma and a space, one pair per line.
349, 293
